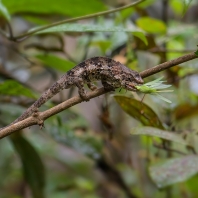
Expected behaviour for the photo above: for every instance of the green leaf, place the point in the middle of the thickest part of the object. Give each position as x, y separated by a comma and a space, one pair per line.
36, 20
75, 27
55, 62
124, 14
146, 3
69, 7
196, 53
151, 25
151, 131
163, 98
155, 81
187, 2
4, 12
84, 184
63, 129
13, 88
180, 6
88, 144
154, 88
174, 170
32, 165
186, 5
177, 6
104, 45
10, 111
141, 36
139, 111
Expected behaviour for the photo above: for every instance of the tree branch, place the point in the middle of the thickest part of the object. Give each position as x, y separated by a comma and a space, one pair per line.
33, 120
168, 64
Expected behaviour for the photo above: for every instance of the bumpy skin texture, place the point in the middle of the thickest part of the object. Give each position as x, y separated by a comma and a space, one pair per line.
111, 73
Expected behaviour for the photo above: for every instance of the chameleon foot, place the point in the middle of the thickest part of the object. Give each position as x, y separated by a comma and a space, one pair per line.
81, 90
84, 96
107, 86
91, 86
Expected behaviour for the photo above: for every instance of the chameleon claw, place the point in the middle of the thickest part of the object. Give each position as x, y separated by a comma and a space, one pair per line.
84, 97
91, 86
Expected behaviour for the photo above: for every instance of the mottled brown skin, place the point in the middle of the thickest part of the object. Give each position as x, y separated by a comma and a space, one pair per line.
111, 73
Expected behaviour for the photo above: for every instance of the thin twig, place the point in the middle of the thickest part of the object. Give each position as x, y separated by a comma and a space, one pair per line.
168, 149
29, 33
77, 99
11, 37
162, 50
168, 64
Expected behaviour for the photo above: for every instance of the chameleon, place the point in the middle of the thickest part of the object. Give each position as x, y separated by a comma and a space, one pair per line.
111, 73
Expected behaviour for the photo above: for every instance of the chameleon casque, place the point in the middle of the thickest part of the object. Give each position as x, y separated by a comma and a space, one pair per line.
111, 73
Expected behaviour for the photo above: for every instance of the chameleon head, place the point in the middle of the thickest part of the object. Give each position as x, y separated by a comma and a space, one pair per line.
131, 79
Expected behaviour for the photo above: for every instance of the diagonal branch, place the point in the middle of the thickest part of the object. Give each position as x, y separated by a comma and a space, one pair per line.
168, 64
48, 113
77, 99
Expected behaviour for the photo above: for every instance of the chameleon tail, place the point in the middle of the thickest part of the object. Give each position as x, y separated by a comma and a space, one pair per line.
48, 94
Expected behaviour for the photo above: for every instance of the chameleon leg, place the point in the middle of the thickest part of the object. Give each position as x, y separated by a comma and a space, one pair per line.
91, 86
107, 86
81, 90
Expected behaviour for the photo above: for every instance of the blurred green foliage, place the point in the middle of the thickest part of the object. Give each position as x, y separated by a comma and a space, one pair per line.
129, 145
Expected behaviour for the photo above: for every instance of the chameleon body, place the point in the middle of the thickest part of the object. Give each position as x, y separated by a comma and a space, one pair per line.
111, 73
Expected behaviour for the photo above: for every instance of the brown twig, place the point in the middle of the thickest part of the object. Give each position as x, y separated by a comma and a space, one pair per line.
75, 100
168, 149
168, 64
46, 114
163, 50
